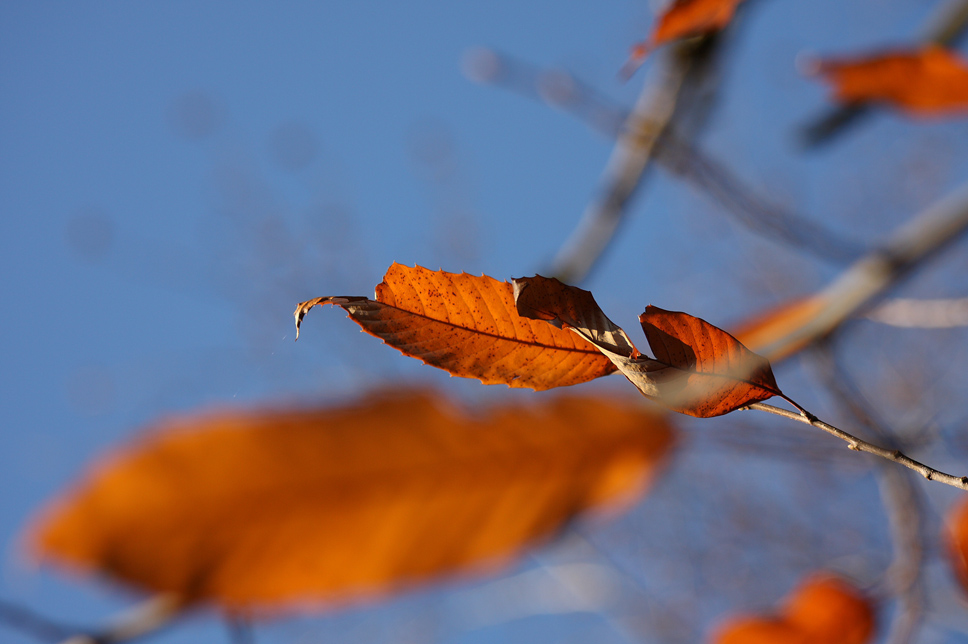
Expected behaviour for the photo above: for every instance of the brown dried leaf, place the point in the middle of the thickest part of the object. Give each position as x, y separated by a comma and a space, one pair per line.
468, 326
698, 370
721, 373
923, 82
258, 510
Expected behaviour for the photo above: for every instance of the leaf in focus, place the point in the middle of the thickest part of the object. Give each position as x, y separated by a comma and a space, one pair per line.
720, 373
468, 326
265, 509
824, 609
924, 82
698, 369
683, 19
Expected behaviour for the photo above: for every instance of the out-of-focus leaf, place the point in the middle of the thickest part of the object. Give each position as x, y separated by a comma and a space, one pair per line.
683, 19
467, 325
923, 82
824, 609
773, 332
264, 509
698, 368
957, 542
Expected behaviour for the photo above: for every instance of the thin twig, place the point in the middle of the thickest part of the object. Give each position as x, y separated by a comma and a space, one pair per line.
860, 445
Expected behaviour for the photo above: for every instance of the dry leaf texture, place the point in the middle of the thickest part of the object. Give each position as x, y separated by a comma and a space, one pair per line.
468, 326
824, 609
698, 368
924, 82
258, 510
719, 373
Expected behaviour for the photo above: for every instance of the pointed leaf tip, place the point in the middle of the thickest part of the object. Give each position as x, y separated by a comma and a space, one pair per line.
469, 326
720, 373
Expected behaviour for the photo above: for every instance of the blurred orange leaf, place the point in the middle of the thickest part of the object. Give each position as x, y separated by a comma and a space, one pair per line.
254, 510
957, 541
927, 81
698, 368
467, 325
774, 332
683, 19
824, 609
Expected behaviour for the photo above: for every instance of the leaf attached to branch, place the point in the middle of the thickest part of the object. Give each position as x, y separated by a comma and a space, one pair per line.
265, 509
698, 368
468, 326
925, 82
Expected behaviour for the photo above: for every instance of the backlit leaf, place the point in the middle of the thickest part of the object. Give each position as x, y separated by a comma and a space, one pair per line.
824, 609
698, 368
721, 373
468, 326
923, 82
263, 509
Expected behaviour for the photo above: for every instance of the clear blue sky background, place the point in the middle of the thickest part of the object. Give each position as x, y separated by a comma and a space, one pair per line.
175, 176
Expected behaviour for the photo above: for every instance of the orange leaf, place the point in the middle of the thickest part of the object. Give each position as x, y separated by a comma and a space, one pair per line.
957, 541
467, 325
823, 610
774, 332
684, 19
698, 368
924, 82
262, 509
830, 610
721, 373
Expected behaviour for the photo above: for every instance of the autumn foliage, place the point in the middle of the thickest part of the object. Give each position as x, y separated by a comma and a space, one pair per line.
468, 326
956, 540
684, 19
824, 609
923, 82
269, 508
542, 333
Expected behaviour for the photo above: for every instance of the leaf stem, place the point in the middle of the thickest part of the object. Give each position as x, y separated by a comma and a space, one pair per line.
860, 445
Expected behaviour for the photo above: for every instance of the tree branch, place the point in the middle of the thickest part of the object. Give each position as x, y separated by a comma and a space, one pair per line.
860, 445
928, 233
673, 152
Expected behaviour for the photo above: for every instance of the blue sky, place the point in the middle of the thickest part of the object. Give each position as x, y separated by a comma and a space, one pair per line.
175, 176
